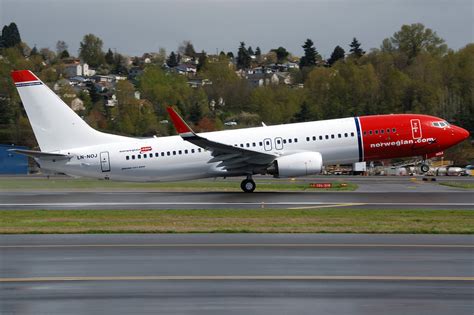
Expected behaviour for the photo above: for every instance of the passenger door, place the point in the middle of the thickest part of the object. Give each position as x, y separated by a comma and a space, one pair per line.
104, 162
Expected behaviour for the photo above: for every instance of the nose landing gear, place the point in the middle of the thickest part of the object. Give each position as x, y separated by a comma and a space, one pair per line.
248, 185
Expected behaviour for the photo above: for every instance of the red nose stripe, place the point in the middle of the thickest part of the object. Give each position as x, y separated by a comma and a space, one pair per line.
23, 76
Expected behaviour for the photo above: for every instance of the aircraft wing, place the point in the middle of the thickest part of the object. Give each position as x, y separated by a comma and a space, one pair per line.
231, 158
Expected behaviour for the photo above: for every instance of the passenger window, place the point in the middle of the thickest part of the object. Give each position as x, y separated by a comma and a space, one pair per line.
139, 156
185, 151
365, 133
296, 140
352, 134
289, 140
180, 152
388, 130
332, 136
327, 137
247, 145
284, 140
320, 137
370, 132
254, 144
199, 150
157, 154
133, 157
376, 132
168, 153
260, 143
192, 150
339, 135
144, 156
174, 152
162, 153
346, 135
394, 130
381, 131
150, 155
127, 157
307, 138
314, 138
241, 145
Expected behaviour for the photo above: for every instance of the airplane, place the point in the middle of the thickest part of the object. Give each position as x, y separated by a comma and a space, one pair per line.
69, 145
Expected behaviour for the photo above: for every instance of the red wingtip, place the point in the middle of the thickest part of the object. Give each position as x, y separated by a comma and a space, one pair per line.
23, 76
178, 122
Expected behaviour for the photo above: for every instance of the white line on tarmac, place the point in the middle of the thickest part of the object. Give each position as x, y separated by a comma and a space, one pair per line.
223, 245
237, 277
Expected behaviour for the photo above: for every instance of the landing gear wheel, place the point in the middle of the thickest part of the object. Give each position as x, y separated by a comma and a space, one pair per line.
248, 185
424, 168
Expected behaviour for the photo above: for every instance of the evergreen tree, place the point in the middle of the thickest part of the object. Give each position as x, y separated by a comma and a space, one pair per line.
258, 52
311, 55
250, 50
64, 54
304, 113
34, 51
243, 57
109, 57
195, 113
337, 54
10, 36
202, 60
230, 55
355, 50
281, 54
172, 60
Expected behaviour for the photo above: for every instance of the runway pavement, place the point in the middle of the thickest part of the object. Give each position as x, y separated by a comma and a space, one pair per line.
372, 193
234, 200
236, 274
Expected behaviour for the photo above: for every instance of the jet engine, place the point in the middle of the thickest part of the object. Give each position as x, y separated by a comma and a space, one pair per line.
298, 164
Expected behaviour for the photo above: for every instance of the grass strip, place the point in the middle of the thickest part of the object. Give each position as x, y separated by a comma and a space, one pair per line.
334, 220
465, 185
201, 185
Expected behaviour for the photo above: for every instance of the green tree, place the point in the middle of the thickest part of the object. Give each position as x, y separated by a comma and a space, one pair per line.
415, 38
202, 60
195, 113
187, 48
10, 36
311, 55
281, 54
61, 46
304, 114
90, 50
172, 60
355, 50
250, 51
243, 57
109, 57
336, 55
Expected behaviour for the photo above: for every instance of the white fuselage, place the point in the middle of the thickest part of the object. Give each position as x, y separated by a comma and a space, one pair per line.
172, 158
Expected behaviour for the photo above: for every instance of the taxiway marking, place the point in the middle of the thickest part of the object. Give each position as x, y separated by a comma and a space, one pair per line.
236, 277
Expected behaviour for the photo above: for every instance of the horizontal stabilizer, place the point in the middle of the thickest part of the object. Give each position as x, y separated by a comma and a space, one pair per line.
39, 154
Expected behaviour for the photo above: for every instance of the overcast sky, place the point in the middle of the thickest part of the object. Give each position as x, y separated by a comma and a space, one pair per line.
137, 26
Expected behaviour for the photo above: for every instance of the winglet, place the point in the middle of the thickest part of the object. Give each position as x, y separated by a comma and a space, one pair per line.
181, 126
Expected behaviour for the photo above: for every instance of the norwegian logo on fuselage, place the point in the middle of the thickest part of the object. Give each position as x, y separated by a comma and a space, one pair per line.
145, 149
416, 128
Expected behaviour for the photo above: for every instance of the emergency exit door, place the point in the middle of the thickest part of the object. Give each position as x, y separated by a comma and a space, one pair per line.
104, 161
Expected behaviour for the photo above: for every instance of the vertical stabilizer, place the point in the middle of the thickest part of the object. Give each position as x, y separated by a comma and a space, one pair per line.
55, 125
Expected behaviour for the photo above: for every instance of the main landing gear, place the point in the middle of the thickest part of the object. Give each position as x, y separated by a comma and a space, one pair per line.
248, 185
424, 167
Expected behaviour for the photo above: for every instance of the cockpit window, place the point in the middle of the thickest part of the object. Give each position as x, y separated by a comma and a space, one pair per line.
440, 124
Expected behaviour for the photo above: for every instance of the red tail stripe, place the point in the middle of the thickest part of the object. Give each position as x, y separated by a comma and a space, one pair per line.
23, 76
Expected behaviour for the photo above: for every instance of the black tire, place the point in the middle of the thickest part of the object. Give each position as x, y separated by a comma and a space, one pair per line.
424, 168
248, 185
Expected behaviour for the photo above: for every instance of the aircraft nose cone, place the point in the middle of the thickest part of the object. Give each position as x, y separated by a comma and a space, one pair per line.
464, 134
